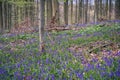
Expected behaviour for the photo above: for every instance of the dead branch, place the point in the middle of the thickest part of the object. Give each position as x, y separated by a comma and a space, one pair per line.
99, 47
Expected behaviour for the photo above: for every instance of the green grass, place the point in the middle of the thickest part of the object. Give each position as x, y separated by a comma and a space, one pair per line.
58, 60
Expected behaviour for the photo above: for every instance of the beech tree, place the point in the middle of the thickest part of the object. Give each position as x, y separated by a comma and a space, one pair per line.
49, 10
66, 12
76, 12
71, 11
117, 9
41, 26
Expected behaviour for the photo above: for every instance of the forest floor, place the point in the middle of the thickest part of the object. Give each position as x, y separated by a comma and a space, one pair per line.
89, 53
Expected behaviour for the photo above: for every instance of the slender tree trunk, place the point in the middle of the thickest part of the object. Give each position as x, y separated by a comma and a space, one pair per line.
117, 9
101, 9
96, 11
49, 10
110, 9
106, 10
12, 15
0, 17
71, 11
66, 12
76, 15
7, 18
86, 11
41, 26
83, 11
56, 11
80, 11
3, 17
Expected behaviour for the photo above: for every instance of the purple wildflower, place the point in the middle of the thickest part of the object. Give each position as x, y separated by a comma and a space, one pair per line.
28, 77
94, 60
90, 66
117, 73
80, 75
18, 65
108, 62
2, 71
47, 61
100, 67
91, 78
111, 74
52, 77
118, 53
103, 73
18, 76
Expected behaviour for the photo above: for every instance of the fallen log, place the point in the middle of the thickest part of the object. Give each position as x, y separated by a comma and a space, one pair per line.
61, 29
99, 47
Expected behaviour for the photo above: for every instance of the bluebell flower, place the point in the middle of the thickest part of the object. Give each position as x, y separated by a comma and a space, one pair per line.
52, 77
94, 60
80, 76
111, 74
78, 35
18, 76
117, 21
117, 73
91, 78
90, 66
76, 24
98, 66
47, 61
103, 73
87, 35
109, 52
97, 34
18, 65
2, 71
28, 77
108, 62
118, 53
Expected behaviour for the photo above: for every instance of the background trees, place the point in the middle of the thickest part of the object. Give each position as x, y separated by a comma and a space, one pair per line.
117, 9
16, 13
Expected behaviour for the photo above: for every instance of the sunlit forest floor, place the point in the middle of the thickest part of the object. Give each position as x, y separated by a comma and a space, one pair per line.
91, 53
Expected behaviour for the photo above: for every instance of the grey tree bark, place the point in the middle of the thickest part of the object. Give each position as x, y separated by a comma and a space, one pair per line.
76, 12
66, 12
49, 10
41, 25
71, 11
117, 9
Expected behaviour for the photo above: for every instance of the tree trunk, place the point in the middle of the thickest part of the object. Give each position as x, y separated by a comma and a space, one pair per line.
49, 10
117, 9
80, 11
0, 17
110, 9
86, 11
71, 11
56, 11
83, 11
3, 17
66, 12
41, 26
76, 15
100, 8
96, 11
106, 10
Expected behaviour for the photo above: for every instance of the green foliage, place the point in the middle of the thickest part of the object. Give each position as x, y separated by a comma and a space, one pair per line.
19, 3
58, 62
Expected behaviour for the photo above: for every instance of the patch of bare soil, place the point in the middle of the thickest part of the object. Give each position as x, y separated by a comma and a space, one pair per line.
96, 50
24, 26
20, 43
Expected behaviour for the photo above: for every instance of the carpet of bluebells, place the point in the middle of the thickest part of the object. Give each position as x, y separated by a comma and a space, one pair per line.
20, 58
